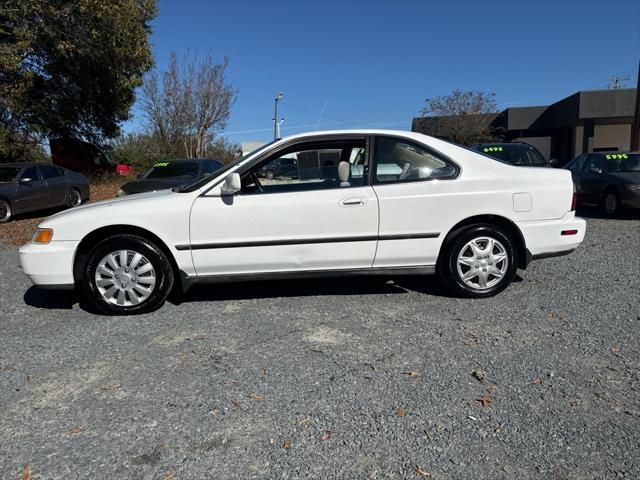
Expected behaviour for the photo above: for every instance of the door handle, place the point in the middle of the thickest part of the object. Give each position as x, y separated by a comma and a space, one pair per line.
352, 201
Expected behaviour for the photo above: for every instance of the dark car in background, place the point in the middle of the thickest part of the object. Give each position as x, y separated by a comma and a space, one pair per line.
609, 180
170, 174
517, 153
27, 187
283, 167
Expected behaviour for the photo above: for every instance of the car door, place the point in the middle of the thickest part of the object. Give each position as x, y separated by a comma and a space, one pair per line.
320, 218
412, 206
31, 190
593, 180
57, 185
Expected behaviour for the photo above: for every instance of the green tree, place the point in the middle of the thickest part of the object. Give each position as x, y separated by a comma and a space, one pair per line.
69, 68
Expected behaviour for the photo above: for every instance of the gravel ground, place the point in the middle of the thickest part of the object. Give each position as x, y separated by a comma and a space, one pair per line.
354, 378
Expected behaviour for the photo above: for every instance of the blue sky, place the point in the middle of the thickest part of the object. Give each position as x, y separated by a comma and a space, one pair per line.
372, 63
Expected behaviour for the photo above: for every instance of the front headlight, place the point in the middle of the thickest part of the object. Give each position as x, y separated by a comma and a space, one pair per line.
42, 235
121, 193
633, 187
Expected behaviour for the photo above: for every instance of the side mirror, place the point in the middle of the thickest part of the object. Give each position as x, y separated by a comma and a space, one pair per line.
139, 176
26, 180
231, 184
554, 162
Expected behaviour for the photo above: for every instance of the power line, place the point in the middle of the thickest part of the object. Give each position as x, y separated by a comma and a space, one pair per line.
319, 114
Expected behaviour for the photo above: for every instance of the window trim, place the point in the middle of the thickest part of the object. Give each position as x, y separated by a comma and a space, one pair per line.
298, 145
373, 164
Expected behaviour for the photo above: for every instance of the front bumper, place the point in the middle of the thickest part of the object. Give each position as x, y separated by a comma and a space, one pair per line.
545, 238
49, 265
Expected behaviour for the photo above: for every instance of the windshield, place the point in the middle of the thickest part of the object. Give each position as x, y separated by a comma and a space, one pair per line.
168, 169
519, 155
623, 162
203, 181
8, 174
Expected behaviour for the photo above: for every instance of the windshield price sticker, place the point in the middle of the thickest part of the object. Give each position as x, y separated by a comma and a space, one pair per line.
161, 164
492, 149
617, 156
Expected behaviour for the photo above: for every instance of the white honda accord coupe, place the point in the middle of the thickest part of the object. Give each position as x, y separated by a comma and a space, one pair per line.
317, 204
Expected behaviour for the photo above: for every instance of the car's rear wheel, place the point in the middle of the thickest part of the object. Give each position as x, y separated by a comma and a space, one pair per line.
611, 203
125, 275
5, 211
478, 261
74, 197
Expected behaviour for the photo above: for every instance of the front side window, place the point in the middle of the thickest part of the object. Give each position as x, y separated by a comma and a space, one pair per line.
32, 173
316, 166
398, 160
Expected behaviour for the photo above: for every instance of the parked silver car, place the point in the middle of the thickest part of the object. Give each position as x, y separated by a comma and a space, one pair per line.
26, 187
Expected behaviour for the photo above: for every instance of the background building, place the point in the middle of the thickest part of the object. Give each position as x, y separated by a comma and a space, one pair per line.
587, 121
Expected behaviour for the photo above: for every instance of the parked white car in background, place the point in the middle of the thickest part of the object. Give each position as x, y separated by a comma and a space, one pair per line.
361, 202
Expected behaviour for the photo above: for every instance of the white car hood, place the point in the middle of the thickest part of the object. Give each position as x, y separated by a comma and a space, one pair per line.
112, 201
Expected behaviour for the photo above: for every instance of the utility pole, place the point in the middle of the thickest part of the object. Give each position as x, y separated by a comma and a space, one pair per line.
276, 129
635, 127
278, 125
616, 82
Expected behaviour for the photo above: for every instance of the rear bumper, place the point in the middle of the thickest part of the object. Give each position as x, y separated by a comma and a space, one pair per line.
50, 265
552, 238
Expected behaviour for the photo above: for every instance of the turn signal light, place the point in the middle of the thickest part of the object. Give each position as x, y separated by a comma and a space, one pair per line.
42, 235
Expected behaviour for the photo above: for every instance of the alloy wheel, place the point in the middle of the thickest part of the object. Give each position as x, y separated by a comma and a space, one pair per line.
75, 198
482, 263
125, 278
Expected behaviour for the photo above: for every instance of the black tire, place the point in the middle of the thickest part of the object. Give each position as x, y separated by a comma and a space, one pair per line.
74, 198
162, 271
610, 203
5, 211
447, 267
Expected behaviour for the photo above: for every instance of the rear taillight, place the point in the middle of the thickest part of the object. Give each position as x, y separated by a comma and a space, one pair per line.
574, 199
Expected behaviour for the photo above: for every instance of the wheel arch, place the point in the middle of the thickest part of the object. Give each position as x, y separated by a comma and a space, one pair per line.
91, 239
499, 221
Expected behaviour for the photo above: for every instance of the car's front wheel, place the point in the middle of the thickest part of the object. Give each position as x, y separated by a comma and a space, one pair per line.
5, 211
125, 275
478, 261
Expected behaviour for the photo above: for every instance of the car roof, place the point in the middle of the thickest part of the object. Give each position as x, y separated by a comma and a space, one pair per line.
608, 152
26, 164
501, 143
